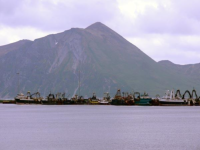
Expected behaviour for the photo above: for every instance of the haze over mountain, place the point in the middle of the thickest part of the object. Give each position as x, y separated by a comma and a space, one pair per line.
105, 59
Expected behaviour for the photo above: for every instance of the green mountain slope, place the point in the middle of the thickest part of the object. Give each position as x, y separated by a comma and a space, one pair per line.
106, 61
190, 71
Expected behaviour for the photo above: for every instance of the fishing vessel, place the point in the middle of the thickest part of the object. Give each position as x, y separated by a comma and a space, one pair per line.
50, 100
155, 100
59, 98
66, 101
170, 99
118, 99
128, 99
94, 100
143, 99
21, 98
29, 98
74, 99
80, 100
194, 99
105, 100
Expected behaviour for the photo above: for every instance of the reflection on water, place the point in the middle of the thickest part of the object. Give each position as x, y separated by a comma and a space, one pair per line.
38, 127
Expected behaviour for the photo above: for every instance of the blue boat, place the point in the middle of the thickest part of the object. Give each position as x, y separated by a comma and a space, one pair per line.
143, 99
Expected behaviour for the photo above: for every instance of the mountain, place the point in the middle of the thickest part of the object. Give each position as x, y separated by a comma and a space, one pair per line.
103, 60
190, 71
14, 46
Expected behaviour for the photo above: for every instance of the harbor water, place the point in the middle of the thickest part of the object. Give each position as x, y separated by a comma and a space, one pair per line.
88, 127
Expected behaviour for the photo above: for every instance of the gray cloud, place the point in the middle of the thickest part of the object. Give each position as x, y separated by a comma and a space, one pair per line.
181, 17
47, 15
188, 8
8, 7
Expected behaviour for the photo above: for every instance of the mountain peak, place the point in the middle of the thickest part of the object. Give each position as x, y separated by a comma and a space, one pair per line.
96, 25
165, 62
101, 30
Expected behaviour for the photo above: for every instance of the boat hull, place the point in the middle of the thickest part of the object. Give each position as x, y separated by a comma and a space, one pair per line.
172, 103
49, 103
68, 102
129, 102
9, 102
22, 101
117, 102
93, 102
143, 101
104, 103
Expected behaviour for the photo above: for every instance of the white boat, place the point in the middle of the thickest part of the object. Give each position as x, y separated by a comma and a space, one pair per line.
170, 99
28, 99
21, 98
105, 100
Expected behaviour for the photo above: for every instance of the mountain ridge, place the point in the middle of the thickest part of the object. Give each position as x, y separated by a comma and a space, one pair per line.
105, 59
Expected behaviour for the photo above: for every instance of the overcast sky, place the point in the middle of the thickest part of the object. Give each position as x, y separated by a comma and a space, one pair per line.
163, 29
